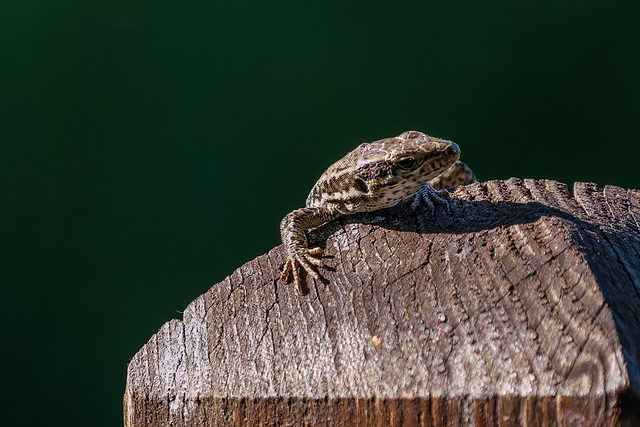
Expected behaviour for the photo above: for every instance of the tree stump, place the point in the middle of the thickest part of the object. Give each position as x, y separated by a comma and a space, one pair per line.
520, 305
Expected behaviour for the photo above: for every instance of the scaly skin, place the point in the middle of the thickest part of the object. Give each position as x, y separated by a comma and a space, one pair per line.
373, 176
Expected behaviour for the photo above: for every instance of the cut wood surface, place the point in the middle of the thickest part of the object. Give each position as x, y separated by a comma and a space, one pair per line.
520, 305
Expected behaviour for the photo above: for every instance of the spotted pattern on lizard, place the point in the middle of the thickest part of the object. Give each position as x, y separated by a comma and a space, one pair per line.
412, 166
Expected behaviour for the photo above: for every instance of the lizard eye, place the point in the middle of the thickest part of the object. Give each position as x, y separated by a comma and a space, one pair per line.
407, 162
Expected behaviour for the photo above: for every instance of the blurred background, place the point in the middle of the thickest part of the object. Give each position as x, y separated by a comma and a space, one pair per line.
149, 148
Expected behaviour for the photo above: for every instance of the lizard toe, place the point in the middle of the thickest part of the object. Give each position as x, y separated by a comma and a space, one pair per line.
306, 263
315, 251
286, 270
314, 261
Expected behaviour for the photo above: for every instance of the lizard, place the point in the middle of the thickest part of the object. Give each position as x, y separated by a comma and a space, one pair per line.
411, 167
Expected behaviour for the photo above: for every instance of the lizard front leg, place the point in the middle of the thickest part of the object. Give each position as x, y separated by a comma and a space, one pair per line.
427, 195
292, 230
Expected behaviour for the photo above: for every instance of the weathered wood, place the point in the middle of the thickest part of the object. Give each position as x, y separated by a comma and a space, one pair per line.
520, 306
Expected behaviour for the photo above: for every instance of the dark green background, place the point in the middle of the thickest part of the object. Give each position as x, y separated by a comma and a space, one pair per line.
149, 148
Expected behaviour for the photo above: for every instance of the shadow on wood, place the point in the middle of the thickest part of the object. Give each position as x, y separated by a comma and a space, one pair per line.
518, 306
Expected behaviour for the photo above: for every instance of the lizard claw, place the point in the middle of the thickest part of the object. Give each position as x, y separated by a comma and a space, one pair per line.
428, 196
305, 258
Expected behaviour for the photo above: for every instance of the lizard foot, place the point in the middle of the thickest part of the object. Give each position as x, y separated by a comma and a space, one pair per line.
428, 196
305, 258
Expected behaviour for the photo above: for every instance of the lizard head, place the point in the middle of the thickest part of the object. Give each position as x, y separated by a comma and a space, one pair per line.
420, 155
408, 160
381, 173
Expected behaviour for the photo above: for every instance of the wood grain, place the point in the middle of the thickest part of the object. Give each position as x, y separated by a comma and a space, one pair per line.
519, 306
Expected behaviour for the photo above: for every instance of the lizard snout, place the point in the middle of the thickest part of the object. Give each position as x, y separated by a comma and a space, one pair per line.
449, 148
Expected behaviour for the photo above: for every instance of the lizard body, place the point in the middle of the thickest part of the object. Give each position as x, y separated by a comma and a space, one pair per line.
373, 176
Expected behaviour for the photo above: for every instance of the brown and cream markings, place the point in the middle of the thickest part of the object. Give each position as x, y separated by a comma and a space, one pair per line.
373, 176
